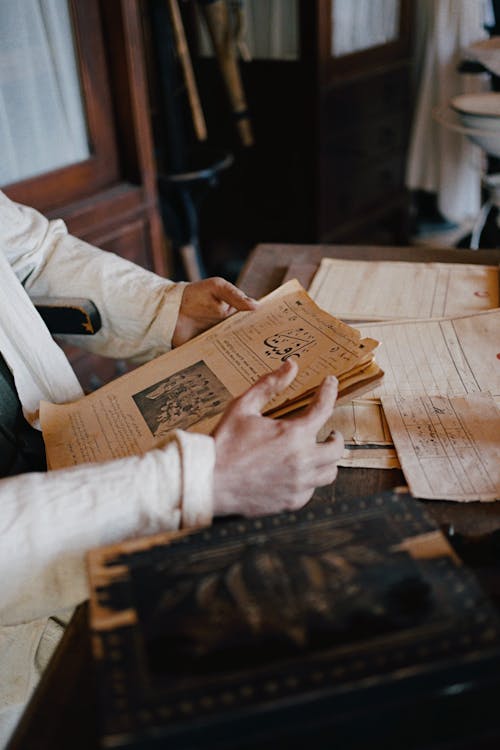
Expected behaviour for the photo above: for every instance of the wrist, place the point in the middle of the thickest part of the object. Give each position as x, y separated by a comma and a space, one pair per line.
181, 332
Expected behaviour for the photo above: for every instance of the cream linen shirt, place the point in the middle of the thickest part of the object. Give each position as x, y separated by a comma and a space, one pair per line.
49, 520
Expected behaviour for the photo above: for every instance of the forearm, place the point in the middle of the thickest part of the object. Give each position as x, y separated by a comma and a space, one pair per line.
139, 309
49, 521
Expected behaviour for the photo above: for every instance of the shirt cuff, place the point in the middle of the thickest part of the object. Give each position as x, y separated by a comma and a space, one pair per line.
163, 327
198, 461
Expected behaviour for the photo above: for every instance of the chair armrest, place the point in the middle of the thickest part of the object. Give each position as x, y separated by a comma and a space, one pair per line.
68, 315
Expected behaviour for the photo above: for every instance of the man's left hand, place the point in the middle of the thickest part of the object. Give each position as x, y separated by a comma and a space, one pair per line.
205, 303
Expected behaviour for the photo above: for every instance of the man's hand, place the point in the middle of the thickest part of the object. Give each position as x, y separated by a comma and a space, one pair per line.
266, 465
205, 303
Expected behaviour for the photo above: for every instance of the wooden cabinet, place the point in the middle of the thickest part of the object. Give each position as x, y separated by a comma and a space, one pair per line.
109, 198
363, 118
331, 134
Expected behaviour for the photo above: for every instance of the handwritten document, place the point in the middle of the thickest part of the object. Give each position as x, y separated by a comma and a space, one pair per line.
190, 387
451, 356
458, 355
448, 446
388, 290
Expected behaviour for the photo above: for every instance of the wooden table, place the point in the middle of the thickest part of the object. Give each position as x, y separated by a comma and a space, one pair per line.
62, 712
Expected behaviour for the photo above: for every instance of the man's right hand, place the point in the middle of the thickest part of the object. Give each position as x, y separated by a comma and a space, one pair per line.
266, 465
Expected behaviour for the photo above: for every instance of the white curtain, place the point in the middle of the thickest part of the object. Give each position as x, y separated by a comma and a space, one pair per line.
42, 122
271, 30
360, 24
440, 160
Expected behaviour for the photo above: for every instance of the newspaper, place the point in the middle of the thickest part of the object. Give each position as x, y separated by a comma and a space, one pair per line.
190, 387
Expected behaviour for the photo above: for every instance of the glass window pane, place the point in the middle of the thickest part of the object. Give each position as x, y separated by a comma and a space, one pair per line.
268, 29
361, 24
42, 118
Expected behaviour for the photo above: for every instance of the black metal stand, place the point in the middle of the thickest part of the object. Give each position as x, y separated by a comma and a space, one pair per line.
190, 168
185, 191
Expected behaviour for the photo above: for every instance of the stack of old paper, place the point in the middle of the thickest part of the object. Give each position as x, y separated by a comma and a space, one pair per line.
190, 387
393, 290
440, 340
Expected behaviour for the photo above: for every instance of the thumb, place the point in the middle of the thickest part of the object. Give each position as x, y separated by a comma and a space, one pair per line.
268, 386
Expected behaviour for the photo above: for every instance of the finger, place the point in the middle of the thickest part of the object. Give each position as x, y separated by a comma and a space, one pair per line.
327, 475
297, 501
322, 405
331, 450
253, 401
234, 297
322, 467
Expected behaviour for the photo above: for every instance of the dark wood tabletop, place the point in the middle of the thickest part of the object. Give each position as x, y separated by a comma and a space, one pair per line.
62, 712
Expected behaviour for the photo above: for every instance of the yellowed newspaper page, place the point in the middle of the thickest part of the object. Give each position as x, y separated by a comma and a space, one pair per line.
359, 290
189, 387
448, 446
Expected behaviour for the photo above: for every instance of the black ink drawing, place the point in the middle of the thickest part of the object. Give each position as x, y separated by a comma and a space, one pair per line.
182, 399
288, 344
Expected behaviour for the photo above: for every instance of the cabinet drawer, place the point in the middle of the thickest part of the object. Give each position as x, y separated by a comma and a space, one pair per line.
131, 240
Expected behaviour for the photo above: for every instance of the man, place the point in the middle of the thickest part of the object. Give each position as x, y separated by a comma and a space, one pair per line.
251, 465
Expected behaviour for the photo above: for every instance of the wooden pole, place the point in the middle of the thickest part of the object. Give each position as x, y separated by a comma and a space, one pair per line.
218, 23
199, 123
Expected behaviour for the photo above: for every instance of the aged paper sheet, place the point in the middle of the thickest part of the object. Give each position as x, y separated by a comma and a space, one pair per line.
449, 356
385, 290
368, 442
452, 356
359, 426
448, 446
373, 457
190, 387
388, 290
